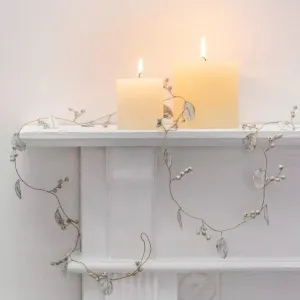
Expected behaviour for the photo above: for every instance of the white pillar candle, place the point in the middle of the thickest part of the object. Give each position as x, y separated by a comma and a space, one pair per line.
140, 102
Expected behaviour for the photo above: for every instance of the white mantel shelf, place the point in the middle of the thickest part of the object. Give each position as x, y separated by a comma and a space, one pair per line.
227, 265
76, 136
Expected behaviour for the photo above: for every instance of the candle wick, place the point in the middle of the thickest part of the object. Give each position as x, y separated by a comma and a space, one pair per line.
204, 58
140, 75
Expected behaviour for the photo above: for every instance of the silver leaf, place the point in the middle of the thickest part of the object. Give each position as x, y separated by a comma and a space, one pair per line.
250, 142
189, 110
260, 178
168, 114
106, 285
278, 136
266, 215
17, 143
222, 248
18, 189
285, 125
13, 157
89, 124
179, 219
168, 158
59, 220
64, 269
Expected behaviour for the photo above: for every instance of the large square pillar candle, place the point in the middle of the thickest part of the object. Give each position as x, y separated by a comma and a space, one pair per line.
140, 102
213, 90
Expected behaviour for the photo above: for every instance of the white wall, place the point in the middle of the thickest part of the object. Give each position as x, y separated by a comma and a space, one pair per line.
69, 52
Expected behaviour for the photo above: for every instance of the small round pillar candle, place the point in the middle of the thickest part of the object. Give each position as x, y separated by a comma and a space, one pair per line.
140, 102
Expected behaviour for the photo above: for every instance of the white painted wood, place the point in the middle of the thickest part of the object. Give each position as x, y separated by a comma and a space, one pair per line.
130, 180
221, 190
195, 286
134, 288
246, 264
76, 136
260, 286
167, 286
117, 187
124, 191
94, 213
94, 202
90, 289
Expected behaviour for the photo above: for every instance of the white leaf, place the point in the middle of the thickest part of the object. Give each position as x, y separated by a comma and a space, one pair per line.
89, 124
64, 269
266, 215
189, 110
106, 285
250, 142
222, 248
168, 158
179, 219
18, 189
59, 220
285, 125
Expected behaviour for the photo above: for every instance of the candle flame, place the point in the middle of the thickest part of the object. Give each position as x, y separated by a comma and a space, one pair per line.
140, 67
203, 48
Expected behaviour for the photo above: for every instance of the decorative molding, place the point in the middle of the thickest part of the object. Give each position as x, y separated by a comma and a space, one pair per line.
195, 286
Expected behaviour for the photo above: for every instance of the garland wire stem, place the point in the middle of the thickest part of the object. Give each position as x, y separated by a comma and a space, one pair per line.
104, 279
253, 136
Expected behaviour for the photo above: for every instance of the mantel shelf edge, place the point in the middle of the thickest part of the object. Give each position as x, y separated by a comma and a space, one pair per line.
76, 136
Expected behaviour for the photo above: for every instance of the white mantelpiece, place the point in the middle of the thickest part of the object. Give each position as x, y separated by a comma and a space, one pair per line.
77, 136
124, 192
